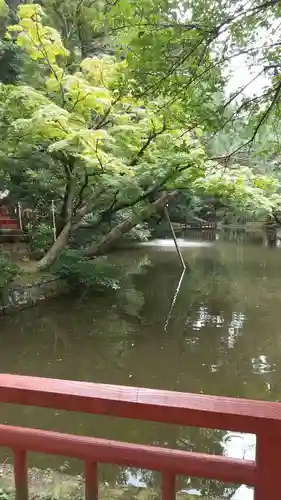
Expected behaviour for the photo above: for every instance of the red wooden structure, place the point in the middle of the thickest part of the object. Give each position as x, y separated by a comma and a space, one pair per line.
9, 218
257, 417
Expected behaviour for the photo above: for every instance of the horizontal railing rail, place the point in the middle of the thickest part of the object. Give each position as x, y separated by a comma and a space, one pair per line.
260, 418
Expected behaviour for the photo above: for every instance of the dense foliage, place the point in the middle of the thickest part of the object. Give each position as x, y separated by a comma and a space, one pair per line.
117, 109
8, 271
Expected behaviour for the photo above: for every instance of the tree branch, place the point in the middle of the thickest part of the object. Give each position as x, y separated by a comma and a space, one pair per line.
147, 194
43, 51
150, 138
260, 123
82, 189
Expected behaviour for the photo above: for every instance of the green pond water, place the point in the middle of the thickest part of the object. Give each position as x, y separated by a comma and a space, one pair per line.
220, 334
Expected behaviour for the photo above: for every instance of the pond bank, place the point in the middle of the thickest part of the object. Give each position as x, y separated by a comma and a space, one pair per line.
28, 290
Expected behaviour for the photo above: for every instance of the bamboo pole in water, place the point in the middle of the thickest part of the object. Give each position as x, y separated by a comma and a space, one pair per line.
174, 301
174, 237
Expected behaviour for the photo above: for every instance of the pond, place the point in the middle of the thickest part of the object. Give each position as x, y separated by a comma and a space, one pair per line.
218, 333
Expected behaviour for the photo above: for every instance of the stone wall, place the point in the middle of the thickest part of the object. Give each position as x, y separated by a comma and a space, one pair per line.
26, 294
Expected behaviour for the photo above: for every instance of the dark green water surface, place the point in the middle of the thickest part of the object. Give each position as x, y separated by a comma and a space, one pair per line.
222, 336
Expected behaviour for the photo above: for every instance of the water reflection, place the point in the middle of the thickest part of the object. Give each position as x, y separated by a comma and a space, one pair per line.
222, 337
168, 243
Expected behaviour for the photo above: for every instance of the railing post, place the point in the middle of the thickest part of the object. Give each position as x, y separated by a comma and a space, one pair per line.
91, 481
268, 462
21, 474
168, 486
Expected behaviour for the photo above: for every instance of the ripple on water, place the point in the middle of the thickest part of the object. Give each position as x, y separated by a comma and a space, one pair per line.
261, 365
166, 243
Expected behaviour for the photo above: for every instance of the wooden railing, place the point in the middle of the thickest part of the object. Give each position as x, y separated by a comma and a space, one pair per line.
260, 418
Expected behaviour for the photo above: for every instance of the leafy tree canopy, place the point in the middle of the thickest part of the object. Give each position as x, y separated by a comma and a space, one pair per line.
84, 133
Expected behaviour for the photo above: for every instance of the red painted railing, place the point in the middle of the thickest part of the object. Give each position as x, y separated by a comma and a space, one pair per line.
257, 417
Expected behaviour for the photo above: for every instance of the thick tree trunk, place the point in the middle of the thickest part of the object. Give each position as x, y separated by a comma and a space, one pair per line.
105, 243
109, 241
64, 233
57, 247
67, 206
